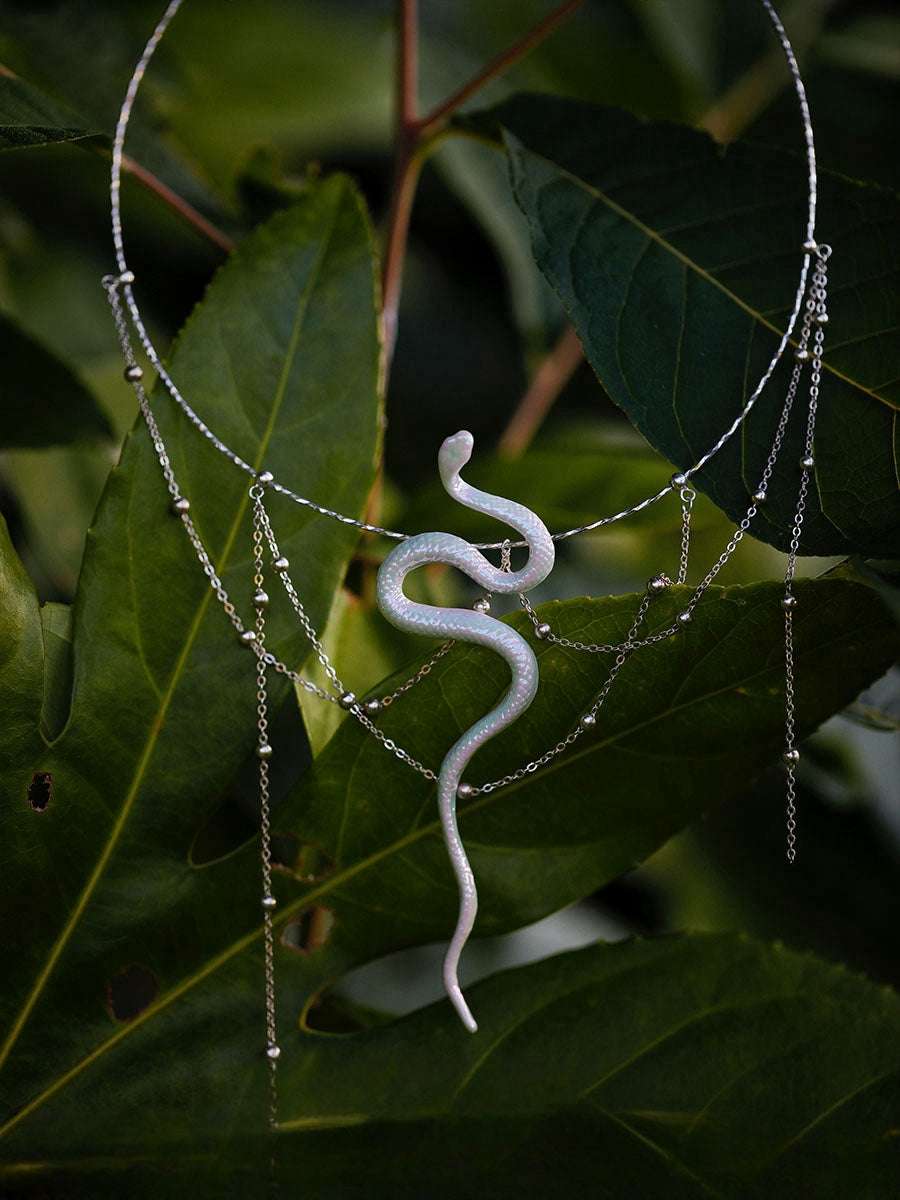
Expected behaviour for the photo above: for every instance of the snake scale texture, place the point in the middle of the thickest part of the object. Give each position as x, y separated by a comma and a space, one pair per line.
467, 625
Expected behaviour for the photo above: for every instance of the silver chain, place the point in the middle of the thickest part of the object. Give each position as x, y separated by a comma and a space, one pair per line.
424, 670
121, 297
586, 722
814, 317
264, 753
814, 321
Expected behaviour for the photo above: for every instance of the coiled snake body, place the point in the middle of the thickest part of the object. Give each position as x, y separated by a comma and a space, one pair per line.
468, 626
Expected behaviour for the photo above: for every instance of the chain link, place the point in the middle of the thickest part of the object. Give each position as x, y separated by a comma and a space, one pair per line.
688, 496
419, 675
390, 745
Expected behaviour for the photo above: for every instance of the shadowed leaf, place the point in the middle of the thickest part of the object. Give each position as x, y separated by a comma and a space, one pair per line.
28, 117
678, 263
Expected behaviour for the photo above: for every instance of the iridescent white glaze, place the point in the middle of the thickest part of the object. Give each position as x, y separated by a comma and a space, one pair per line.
466, 625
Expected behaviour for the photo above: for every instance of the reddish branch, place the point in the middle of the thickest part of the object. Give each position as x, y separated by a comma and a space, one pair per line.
211, 232
551, 377
414, 136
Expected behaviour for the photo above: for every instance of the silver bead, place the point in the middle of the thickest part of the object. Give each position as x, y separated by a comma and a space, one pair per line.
347, 700
269, 901
821, 318
788, 602
802, 355
265, 478
126, 277
248, 637
373, 707
260, 599
273, 1053
678, 480
791, 757
807, 462
656, 585
760, 496
810, 246
464, 791
588, 721
685, 618
280, 563
482, 606
181, 506
134, 373
543, 631
264, 751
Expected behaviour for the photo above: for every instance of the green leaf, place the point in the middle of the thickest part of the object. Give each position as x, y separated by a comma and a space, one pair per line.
28, 117
844, 880
282, 358
42, 403
371, 873
678, 264
688, 721
21, 652
717, 1064
687, 1067
56, 627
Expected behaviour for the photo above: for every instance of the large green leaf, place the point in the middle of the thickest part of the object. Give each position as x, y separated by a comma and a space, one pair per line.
715, 1066
688, 721
688, 1067
678, 263
282, 357
363, 866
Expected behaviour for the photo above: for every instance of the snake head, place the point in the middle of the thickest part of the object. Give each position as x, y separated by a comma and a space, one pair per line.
453, 456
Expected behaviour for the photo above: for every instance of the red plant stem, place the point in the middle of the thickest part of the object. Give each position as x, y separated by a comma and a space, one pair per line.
414, 136
436, 119
406, 173
551, 377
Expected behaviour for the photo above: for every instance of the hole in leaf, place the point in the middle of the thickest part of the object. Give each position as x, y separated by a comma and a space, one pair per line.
130, 992
306, 861
40, 790
335, 1015
309, 931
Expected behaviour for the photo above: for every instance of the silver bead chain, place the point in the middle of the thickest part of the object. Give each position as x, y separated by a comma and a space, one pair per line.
121, 297
264, 753
814, 321
810, 350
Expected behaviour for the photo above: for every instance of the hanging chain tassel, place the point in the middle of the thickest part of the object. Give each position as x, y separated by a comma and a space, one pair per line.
812, 339
264, 754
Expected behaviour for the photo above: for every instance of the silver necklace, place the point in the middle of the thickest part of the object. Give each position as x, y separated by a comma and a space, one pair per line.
809, 309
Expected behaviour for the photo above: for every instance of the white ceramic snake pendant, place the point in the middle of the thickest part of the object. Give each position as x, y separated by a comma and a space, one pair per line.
466, 625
